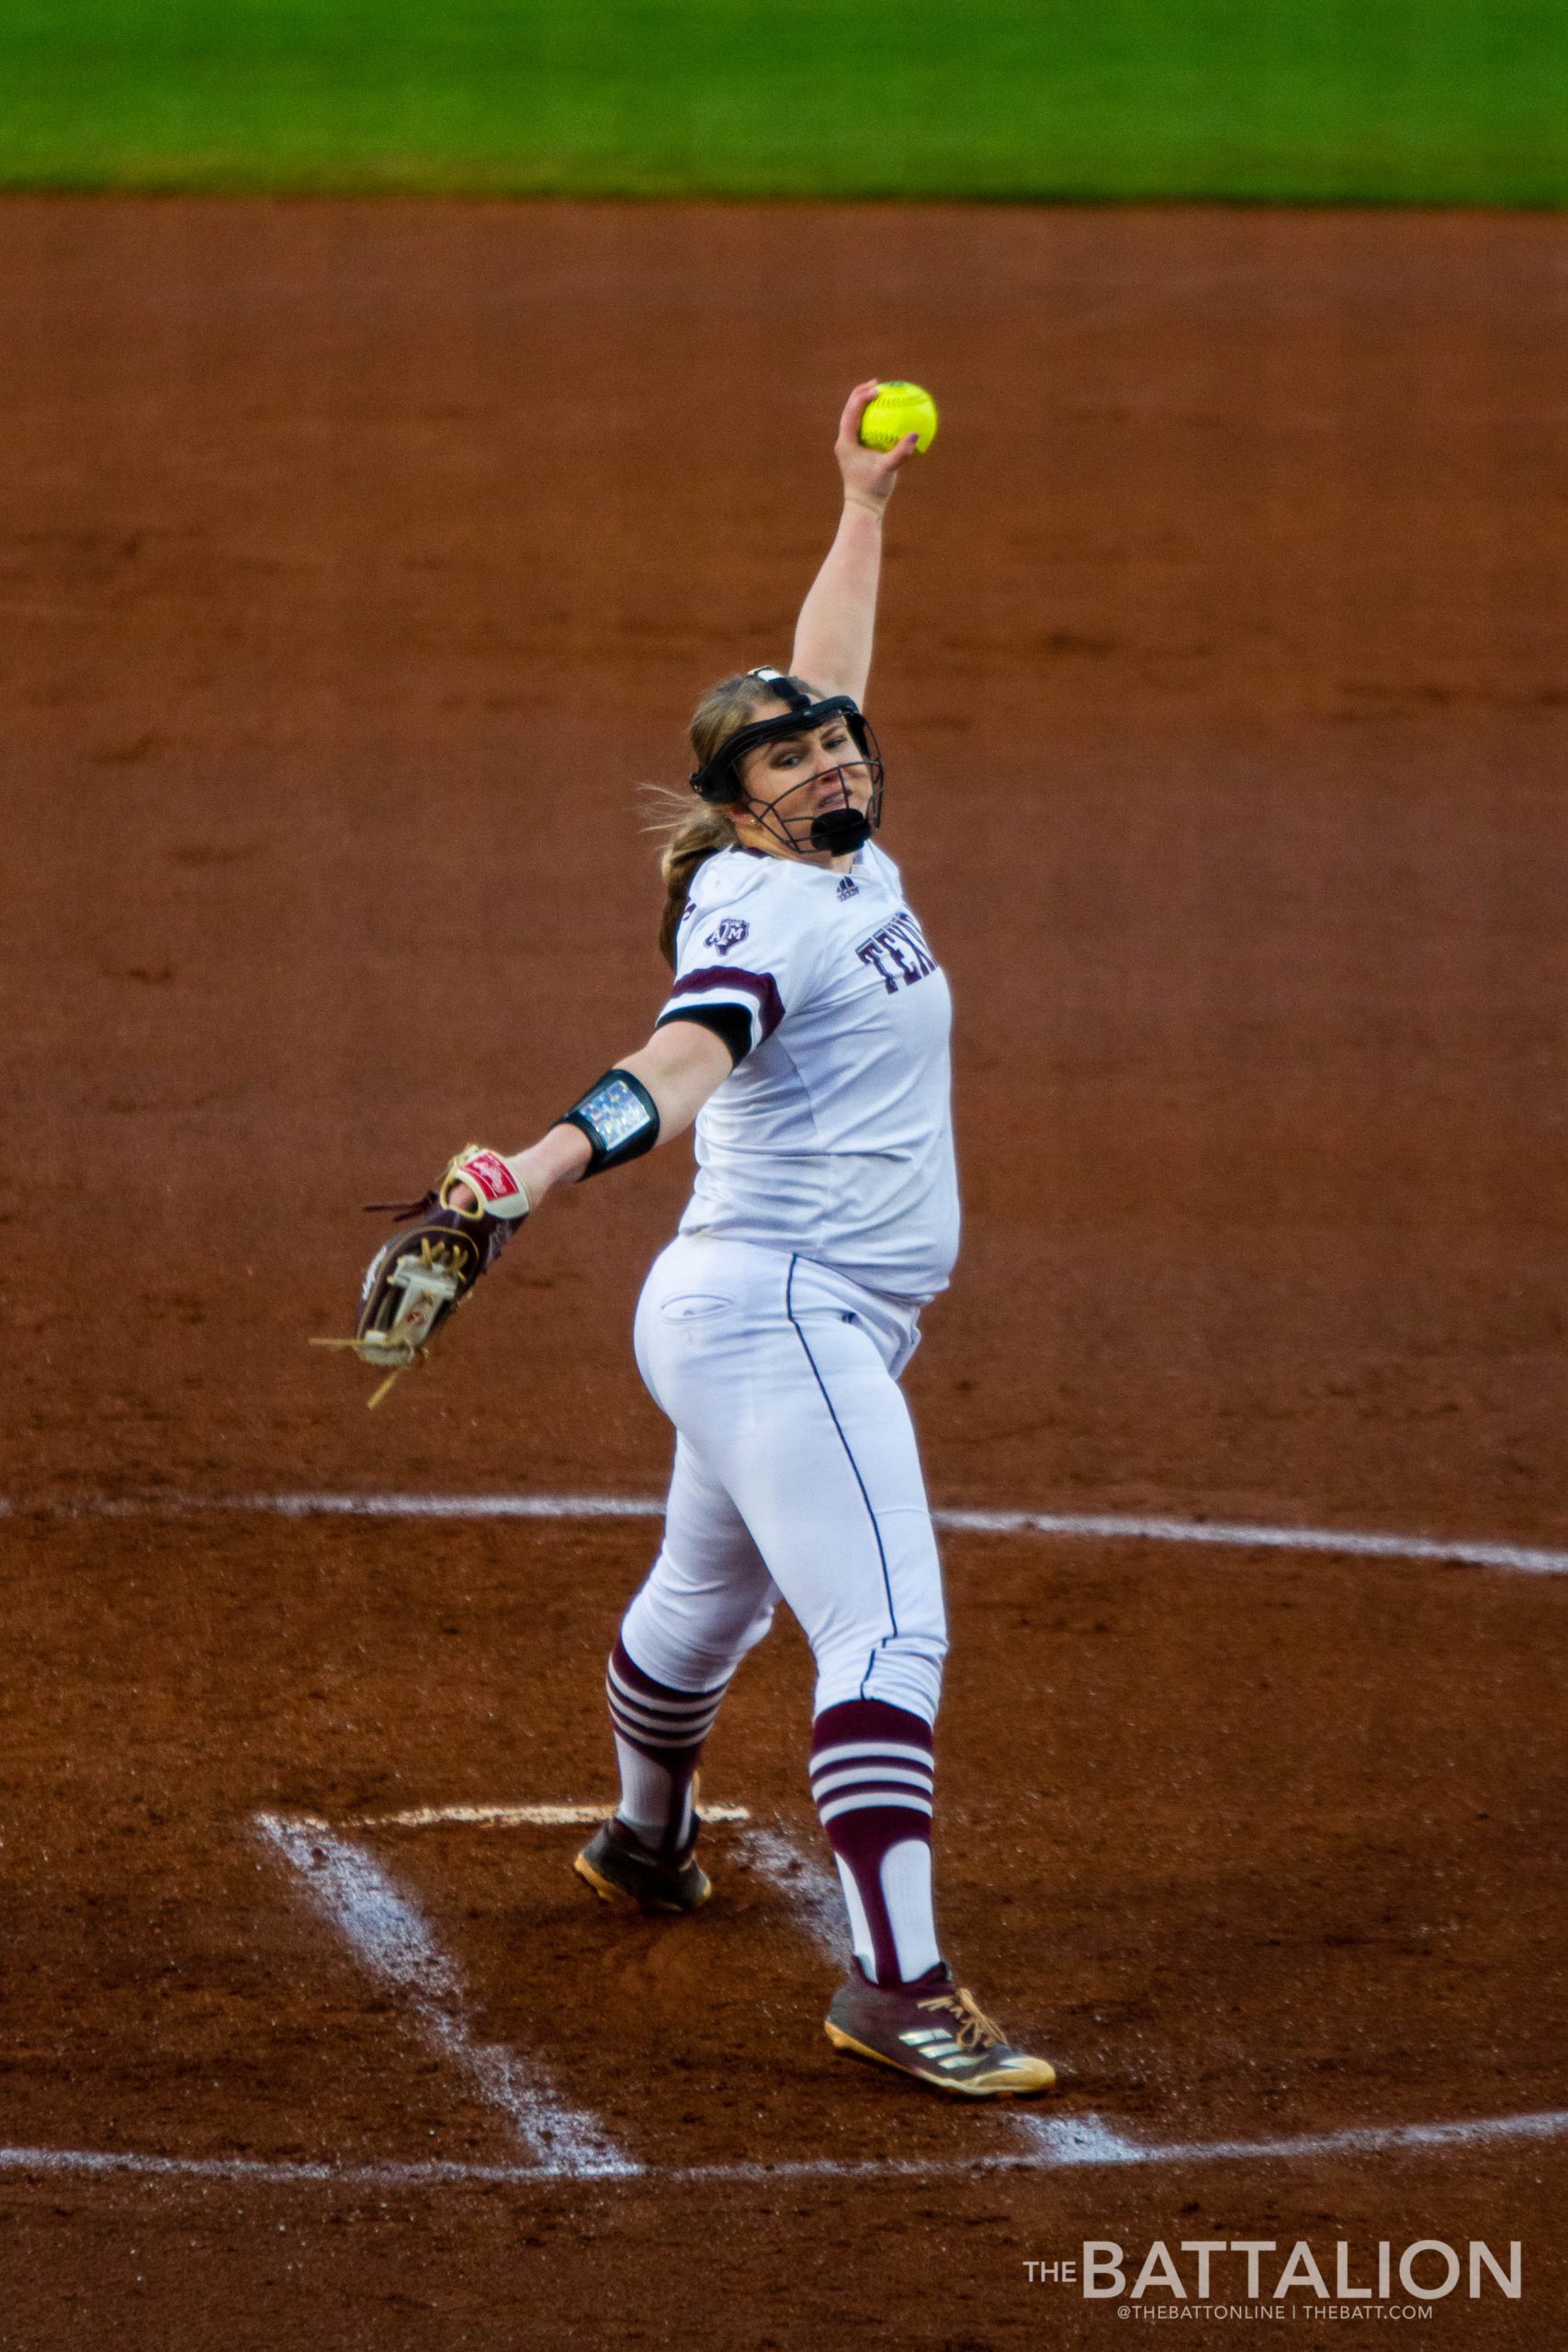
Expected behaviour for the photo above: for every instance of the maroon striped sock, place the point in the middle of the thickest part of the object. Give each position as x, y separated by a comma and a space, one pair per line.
659, 1733
871, 1778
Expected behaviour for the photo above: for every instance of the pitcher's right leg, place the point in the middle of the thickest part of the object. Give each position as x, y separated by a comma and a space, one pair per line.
707, 1600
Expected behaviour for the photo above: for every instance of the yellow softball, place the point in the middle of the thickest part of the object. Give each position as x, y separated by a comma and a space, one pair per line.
895, 410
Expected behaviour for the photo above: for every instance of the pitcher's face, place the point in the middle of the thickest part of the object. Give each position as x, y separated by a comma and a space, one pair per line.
790, 782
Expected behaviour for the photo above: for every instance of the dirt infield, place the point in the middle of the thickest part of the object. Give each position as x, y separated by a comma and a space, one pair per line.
356, 563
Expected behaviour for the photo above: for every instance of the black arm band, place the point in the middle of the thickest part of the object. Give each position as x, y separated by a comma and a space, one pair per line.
731, 1022
620, 1118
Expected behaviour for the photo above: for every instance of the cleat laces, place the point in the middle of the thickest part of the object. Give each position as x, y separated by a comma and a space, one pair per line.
975, 2031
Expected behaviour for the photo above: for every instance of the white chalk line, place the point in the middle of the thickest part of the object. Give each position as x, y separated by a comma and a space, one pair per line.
496, 1816
1242, 1534
1115, 1527
1103, 2145
181, 1506
391, 1940
1060, 2143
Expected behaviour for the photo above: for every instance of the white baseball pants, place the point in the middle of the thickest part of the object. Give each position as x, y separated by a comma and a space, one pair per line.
796, 1474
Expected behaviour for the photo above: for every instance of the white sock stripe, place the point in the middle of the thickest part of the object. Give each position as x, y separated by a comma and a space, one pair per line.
855, 1776
661, 1713
659, 1738
676, 1725
903, 1875
896, 1800
679, 1702
661, 1716
834, 1759
890, 1751
670, 1727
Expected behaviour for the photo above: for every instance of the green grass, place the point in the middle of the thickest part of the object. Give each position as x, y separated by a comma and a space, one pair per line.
1432, 101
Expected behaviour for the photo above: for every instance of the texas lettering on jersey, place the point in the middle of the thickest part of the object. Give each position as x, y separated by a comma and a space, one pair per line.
897, 952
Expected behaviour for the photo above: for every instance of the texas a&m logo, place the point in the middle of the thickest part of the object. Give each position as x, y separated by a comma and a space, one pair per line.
727, 934
899, 952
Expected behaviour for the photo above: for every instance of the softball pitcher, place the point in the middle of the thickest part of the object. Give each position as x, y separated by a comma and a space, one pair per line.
806, 1033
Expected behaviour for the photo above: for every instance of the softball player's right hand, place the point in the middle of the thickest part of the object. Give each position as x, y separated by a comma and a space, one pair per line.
870, 475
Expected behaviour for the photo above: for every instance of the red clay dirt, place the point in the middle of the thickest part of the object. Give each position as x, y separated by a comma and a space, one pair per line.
357, 562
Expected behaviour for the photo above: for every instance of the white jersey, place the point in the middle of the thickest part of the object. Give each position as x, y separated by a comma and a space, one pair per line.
832, 1136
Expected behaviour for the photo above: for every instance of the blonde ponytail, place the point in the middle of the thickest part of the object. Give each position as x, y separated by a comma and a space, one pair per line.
692, 840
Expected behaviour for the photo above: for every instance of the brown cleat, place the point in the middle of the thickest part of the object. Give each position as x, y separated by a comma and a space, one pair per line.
934, 2030
621, 1869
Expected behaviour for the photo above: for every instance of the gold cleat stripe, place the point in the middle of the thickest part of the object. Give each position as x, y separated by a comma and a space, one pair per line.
1046, 2081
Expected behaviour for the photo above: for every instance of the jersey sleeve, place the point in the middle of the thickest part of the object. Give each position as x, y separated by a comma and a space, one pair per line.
744, 958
